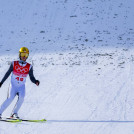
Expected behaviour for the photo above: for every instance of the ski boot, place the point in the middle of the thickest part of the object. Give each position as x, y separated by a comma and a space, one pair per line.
15, 116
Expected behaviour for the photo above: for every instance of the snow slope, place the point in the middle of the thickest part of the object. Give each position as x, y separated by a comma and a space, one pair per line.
82, 53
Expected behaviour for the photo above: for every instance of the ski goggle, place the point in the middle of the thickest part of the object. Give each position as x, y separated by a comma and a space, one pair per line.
24, 55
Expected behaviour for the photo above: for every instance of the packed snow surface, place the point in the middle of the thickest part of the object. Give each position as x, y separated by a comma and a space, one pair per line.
82, 53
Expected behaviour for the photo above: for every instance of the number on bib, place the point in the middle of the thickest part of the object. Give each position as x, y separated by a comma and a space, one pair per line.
19, 79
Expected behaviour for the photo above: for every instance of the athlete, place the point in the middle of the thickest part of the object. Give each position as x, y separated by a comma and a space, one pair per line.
20, 69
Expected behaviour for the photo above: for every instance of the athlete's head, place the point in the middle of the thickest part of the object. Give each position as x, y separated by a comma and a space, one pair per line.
23, 53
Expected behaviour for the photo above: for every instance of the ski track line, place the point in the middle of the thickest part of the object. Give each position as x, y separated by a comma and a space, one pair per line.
90, 121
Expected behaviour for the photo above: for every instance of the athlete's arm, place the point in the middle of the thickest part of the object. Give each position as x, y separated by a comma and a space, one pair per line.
32, 78
7, 73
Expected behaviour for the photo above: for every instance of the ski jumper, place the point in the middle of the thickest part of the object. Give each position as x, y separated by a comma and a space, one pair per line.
19, 71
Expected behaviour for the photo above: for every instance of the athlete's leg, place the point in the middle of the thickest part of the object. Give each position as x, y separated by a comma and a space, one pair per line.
21, 95
9, 99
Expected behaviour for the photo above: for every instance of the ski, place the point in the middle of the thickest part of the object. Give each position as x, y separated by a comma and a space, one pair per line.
42, 120
25, 120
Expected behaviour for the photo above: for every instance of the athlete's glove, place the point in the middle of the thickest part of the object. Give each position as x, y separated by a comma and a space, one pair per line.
1, 84
37, 82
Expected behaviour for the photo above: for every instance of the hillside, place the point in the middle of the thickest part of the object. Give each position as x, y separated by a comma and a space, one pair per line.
82, 53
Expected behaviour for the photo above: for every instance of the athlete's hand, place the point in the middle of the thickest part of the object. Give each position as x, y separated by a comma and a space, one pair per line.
0, 84
37, 82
